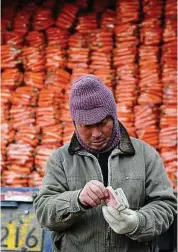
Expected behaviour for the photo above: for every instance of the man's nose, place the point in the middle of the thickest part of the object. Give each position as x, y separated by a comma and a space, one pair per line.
96, 132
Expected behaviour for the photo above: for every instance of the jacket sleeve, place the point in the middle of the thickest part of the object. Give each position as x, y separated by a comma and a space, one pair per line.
160, 206
55, 206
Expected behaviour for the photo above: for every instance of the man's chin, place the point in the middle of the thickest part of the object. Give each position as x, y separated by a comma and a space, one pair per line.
98, 147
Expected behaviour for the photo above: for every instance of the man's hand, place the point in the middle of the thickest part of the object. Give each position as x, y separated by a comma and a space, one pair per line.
92, 194
125, 221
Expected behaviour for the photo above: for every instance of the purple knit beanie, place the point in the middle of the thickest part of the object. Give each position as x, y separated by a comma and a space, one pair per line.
90, 102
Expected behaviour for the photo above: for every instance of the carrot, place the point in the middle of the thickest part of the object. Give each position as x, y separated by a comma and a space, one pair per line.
35, 180
35, 39
34, 79
22, 170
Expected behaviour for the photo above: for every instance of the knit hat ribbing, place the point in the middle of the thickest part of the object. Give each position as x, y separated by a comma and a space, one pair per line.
90, 100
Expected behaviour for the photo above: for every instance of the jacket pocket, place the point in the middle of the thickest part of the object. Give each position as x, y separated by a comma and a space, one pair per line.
134, 191
76, 182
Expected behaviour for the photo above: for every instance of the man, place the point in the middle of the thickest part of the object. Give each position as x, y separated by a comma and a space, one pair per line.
101, 154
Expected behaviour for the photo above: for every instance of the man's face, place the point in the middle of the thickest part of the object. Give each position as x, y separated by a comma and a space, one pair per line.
96, 136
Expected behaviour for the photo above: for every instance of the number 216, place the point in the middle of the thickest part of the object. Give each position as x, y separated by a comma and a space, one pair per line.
31, 240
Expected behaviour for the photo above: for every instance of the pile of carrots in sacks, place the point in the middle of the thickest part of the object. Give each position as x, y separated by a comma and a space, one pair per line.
130, 45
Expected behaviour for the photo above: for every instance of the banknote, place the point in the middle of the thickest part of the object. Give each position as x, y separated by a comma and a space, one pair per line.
121, 196
116, 199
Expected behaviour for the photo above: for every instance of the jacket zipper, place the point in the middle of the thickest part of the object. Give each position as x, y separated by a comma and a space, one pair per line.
107, 228
109, 172
109, 168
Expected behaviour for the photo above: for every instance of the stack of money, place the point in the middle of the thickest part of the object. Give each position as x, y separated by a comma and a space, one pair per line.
116, 199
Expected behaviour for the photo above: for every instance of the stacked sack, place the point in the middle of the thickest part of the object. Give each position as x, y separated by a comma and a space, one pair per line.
125, 55
150, 85
129, 45
168, 117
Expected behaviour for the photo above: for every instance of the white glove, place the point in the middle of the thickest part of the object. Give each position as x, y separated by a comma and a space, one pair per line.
125, 221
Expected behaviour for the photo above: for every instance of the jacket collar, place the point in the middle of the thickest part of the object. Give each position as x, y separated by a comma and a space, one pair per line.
124, 145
